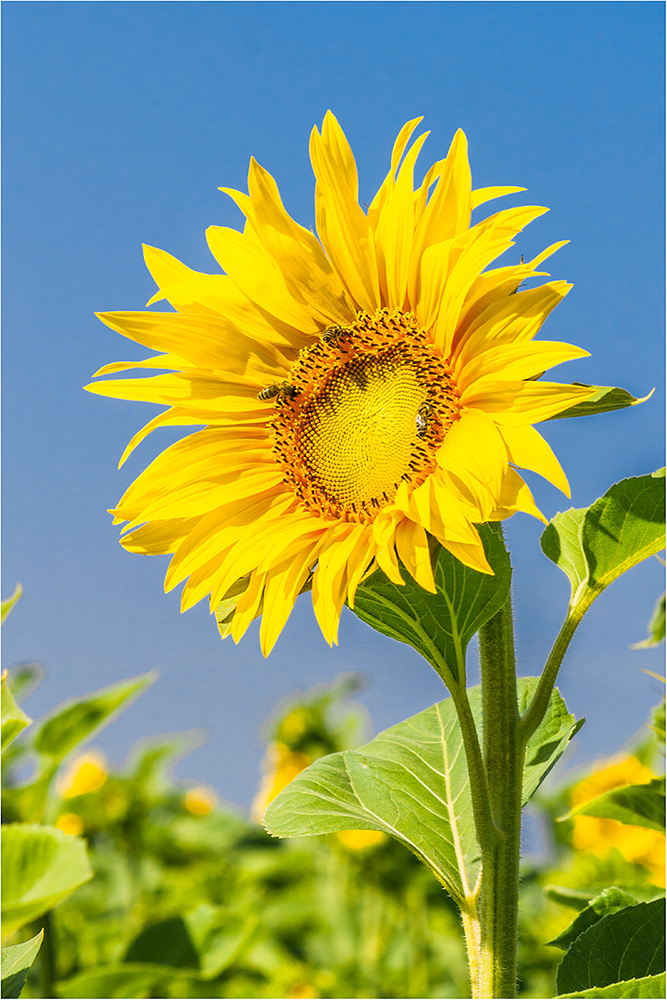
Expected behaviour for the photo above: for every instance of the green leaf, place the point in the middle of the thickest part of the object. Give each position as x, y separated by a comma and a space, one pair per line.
14, 719
628, 944
40, 867
439, 626
76, 720
207, 939
594, 546
575, 899
120, 980
608, 901
646, 988
656, 627
6, 606
548, 742
165, 943
412, 782
636, 805
16, 962
606, 398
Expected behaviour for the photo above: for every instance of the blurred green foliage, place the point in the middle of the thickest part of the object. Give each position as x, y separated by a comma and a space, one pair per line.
191, 898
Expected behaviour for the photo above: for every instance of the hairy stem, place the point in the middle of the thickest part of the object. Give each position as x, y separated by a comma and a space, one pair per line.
504, 751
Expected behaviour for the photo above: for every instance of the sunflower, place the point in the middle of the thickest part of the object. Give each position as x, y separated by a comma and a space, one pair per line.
359, 390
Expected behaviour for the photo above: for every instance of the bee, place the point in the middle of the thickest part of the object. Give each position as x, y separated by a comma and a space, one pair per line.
519, 285
331, 335
279, 392
422, 420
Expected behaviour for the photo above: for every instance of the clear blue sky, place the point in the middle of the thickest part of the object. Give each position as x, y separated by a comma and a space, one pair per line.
120, 122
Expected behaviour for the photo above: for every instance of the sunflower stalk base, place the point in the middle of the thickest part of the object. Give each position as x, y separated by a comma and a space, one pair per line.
494, 941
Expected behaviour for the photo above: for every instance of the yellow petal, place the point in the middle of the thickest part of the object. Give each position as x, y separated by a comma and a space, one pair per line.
514, 361
470, 555
508, 319
519, 403
528, 449
299, 255
516, 496
413, 551
204, 342
342, 225
481, 195
257, 276
394, 231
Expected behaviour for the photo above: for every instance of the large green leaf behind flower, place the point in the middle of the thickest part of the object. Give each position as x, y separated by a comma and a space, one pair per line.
411, 782
440, 625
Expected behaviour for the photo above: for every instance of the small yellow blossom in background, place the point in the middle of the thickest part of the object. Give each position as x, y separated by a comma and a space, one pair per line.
359, 840
70, 823
301, 991
599, 836
86, 773
281, 766
200, 801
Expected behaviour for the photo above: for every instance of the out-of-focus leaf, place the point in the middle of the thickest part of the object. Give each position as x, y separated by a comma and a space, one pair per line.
646, 988
124, 979
14, 719
636, 805
6, 606
594, 546
628, 944
16, 962
151, 758
656, 627
440, 625
23, 678
412, 782
40, 867
575, 899
207, 939
606, 398
609, 901
76, 720
165, 943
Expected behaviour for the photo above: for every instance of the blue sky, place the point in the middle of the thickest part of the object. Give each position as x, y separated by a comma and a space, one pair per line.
120, 122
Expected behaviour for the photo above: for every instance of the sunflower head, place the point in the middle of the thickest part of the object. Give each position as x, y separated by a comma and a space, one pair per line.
360, 391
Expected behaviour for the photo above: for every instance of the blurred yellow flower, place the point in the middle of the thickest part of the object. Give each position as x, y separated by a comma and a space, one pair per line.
200, 801
357, 389
301, 991
358, 840
85, 773
599, 836
281, 765
70, 823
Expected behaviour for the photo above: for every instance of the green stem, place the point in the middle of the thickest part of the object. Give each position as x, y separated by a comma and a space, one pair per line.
47, 959
500, 846
540, 701
479, 791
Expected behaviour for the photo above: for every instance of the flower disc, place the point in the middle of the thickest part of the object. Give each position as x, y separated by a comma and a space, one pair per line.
370, 407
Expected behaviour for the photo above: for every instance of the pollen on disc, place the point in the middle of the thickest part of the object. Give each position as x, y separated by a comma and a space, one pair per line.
356, 427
